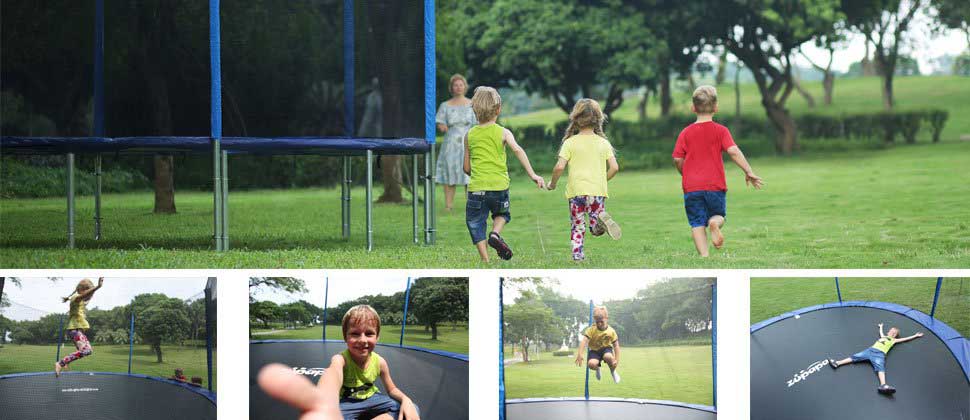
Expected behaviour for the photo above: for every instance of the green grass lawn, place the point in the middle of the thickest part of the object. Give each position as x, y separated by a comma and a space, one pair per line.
903, 207
449, 339
676, 373
16, 358
850, 96
775, 296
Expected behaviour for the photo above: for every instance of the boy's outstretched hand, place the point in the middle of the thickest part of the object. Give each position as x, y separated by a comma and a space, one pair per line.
541, 183
919, 334
579, 360
753, 180
282, 383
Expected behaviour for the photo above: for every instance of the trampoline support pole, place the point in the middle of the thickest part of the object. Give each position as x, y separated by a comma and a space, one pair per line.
404, 319
428, 192
70, 200
501, 351
326, 292
216, 194
370, 200
936, 296
60, 338
209, 330
98, 115
225, 200
131, 340
345, 198
838, 290
215, 121
714, 340
586, 389
414, 195
97, 197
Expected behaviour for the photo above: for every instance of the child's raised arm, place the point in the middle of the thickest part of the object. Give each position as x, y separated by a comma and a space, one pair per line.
523, 158
319, 402
738, 157
912, 337
580, 350
408, 410
881, 334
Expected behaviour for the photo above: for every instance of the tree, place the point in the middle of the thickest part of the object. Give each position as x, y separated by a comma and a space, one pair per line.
561, 50
829, 42
160, 319
883, 23
954, 14
527, 317
764, 35
263, 312
285, 284
438, 300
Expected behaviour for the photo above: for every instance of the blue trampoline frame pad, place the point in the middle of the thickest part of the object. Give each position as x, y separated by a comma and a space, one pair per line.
328, 146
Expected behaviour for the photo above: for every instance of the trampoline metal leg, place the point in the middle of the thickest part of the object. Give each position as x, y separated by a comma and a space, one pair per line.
217, 195
370, 200
345, 198
97, 198
70, 200
414, 196
432, 228
225, 200
427, 197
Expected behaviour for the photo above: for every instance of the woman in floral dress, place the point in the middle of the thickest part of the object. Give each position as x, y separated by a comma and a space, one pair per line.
454, 118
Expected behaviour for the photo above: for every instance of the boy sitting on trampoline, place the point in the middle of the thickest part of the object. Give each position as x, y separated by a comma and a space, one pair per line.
876, 355
347, 389
488, 185
78, 322
603, 344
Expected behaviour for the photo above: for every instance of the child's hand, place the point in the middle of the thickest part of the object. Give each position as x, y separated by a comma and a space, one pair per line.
408, 410
753, 180
551, 186
282, 383
919, 334
539, 181
579, 360
880, 325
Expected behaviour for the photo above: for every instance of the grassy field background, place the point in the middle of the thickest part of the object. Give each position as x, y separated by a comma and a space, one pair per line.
453, 339
774, 296
15, 358
676, 373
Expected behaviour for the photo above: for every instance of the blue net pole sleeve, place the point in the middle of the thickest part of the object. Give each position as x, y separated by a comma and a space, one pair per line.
404, 319
936, 296
131, 339
99, 69
215, 69
209, 318
838, 290
501, 351
430, 71
326, 291
586, 391
349, 68
714, 340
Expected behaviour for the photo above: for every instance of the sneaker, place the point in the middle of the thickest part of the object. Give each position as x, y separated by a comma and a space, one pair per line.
612, 228
502, 248
886, 389
834, 364
597, 229
597, 374
616, 377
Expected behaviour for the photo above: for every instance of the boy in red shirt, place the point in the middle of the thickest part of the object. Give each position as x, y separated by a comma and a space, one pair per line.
697, 157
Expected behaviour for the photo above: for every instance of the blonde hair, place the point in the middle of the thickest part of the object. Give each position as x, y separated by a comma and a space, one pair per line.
600, 312
455, 77
705, 99
586, 114
486, 103
361, 314
85, 284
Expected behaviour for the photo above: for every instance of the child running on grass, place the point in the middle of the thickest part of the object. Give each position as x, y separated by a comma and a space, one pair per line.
488, 187
876, 356
697, 156
347, 389
603, 344
587, 153
78, 322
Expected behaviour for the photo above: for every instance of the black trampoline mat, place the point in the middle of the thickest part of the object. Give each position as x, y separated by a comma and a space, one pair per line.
612, 410
99, 396
930, 382
437, 384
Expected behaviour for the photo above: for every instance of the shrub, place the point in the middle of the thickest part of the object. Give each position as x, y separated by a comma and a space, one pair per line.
937, 119
562, 353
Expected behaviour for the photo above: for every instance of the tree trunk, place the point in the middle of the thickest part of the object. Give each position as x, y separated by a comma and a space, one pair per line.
721, 68
801, 91
525, 350
787, 140
642, 106
887, 88
828, 84
391, 177
737, 90
157, 348
691, 84
434, 331
665, 100
868, 69
164, 183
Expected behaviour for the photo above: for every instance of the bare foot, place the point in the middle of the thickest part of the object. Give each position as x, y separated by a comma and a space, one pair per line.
717, 238
57, 369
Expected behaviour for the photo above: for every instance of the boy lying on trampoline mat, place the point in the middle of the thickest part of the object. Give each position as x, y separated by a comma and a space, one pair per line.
876, 355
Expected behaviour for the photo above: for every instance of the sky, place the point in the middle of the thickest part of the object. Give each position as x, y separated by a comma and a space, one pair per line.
41, 295
343, 287
579, 285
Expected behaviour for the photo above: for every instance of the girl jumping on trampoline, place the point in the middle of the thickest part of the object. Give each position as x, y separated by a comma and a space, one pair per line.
876, 355
78, 323
589, 156
347, 389
603, 344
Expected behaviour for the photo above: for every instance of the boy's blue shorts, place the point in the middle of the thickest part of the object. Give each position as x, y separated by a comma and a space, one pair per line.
876, 357
479, 205
377, 404
598, 354
702, 205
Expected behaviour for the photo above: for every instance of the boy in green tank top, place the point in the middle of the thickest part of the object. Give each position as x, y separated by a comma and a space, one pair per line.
485, 163
348, 388
876, 355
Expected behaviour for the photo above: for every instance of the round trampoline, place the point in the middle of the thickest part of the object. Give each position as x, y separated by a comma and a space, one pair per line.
791, 379
611, 408
98, 395
437, 381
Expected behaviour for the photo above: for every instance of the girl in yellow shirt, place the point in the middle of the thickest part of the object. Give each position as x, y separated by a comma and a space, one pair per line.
77, 322
589, 157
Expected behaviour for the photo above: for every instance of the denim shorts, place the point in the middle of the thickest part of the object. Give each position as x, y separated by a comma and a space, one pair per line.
876, 357
598, 354
702, 205
479, 205
377, 404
